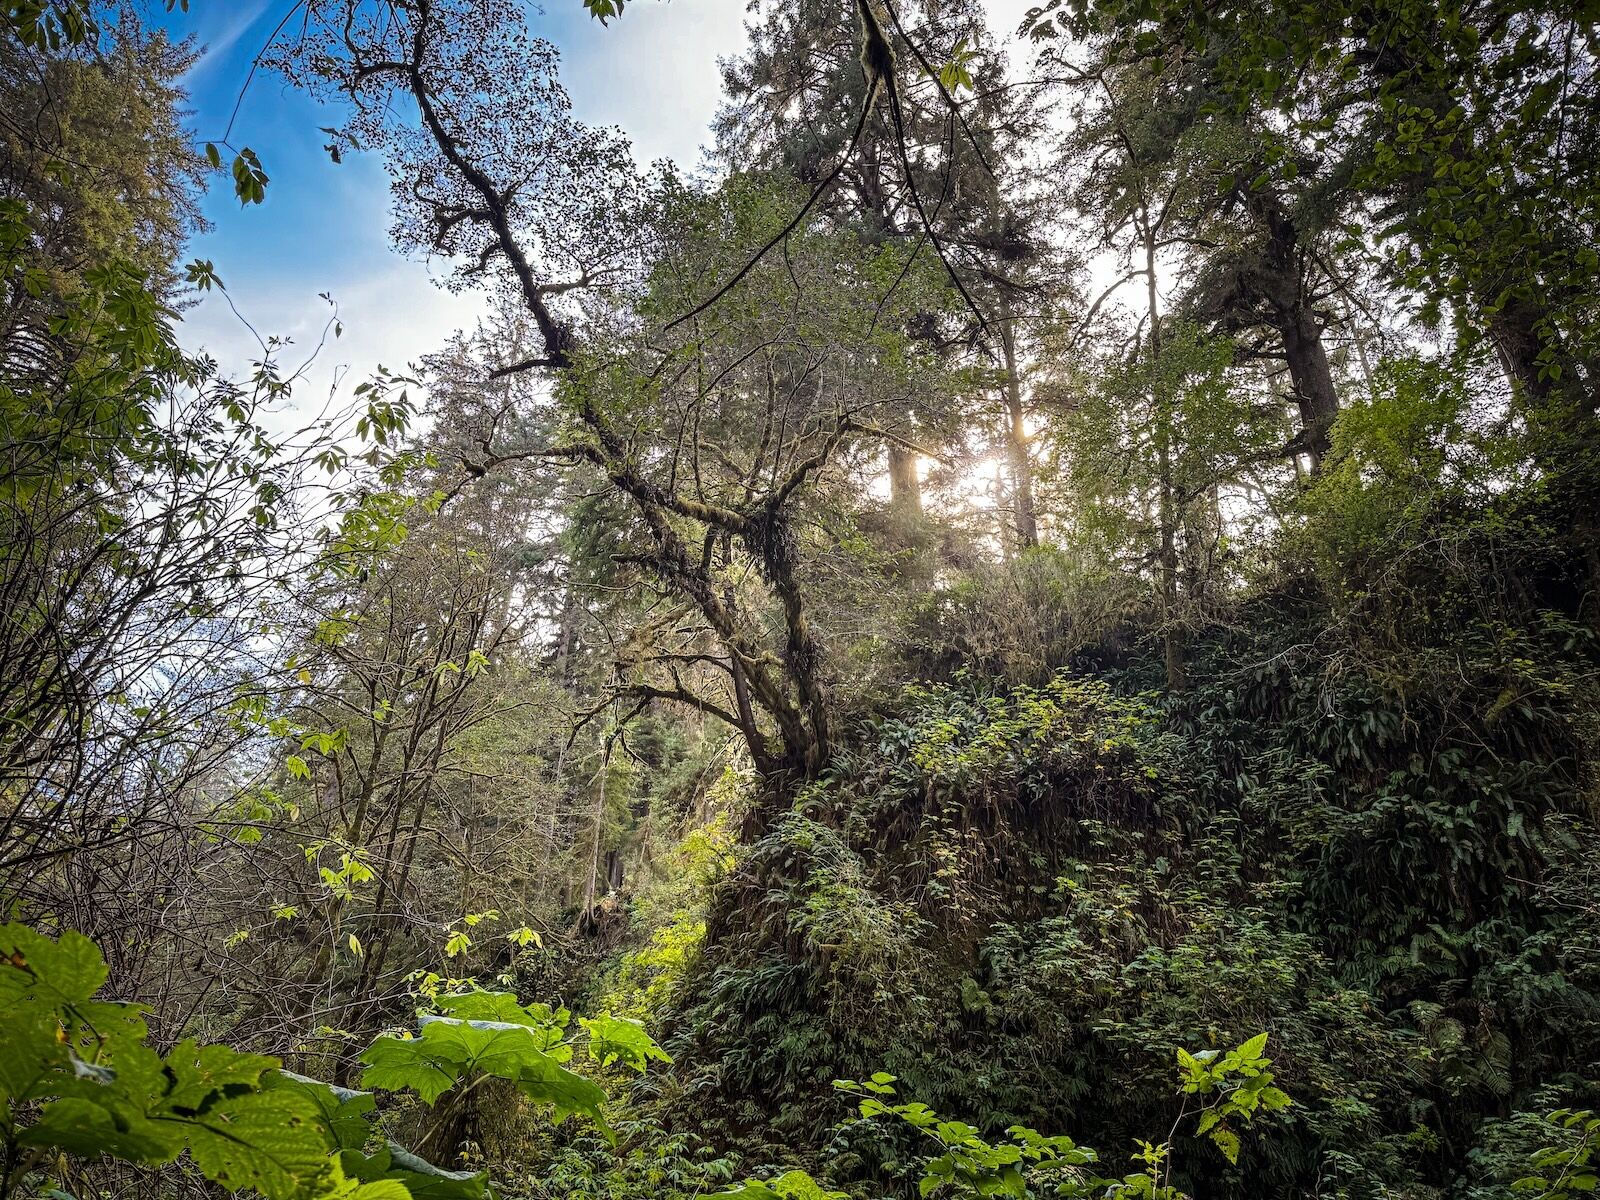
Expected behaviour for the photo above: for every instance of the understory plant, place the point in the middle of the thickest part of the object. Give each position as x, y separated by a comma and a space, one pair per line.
79, 1077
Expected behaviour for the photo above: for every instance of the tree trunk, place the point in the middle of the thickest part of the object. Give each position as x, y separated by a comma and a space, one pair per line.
1276, 278
1171, 633
1025, 519
905, 485
1312, 380
588, 920
569, 630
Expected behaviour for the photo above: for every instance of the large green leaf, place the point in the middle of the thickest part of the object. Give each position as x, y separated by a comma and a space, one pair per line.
57, 972
381, 1189
102, 1091
791, 1185
617, 1039
545, 1081
115, 1107
421, 1178
395, 1064
750, 1189
500, 1006
343, 1112
489, 1008
112, 1126
49, 984
147, 1111
30, 1055
483, 1047
269, 1141
201, 1076
448, 1051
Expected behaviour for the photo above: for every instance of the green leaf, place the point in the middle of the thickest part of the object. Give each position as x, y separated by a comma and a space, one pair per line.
249, 179
1228, 1142
421, 1179
1273, 1099
88, 1129
398, 1064
750, 1189
449, 1050
58, 972
382, 1189
268, 1141
615, 1039
502, 1008
29, 1052
1253, 1049
343, 1112
791, 1185
198, 1077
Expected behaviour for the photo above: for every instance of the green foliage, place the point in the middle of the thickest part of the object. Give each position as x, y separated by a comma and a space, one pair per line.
1087, 879
647, 979
1024, 620
346, 1117
653, 1162
1412, 459
969, 1165
621, 1039
1363, 819
1069, 721
604, 10
488, 1034
1210, 1074
1568, 1166
57, 26
50, 24
100, 1090
448, 1052
83, 1067
1232, 1085
791, 1185
123, 363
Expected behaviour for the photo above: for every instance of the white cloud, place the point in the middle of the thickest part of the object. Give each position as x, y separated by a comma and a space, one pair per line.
216, 44
391, 316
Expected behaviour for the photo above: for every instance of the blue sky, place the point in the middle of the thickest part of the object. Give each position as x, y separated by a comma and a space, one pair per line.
325, 227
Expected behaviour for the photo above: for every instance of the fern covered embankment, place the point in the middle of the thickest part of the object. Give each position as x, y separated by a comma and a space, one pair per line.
1372, 836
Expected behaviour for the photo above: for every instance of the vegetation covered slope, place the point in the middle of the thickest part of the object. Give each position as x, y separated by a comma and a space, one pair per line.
1020, 899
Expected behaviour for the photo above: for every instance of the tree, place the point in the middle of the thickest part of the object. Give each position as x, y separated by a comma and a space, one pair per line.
504, 178
941, 167
1458, 126
92, 142
144, 513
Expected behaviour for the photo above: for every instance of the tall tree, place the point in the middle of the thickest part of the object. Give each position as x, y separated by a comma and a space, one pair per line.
92, 141
496, 172
939, 166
